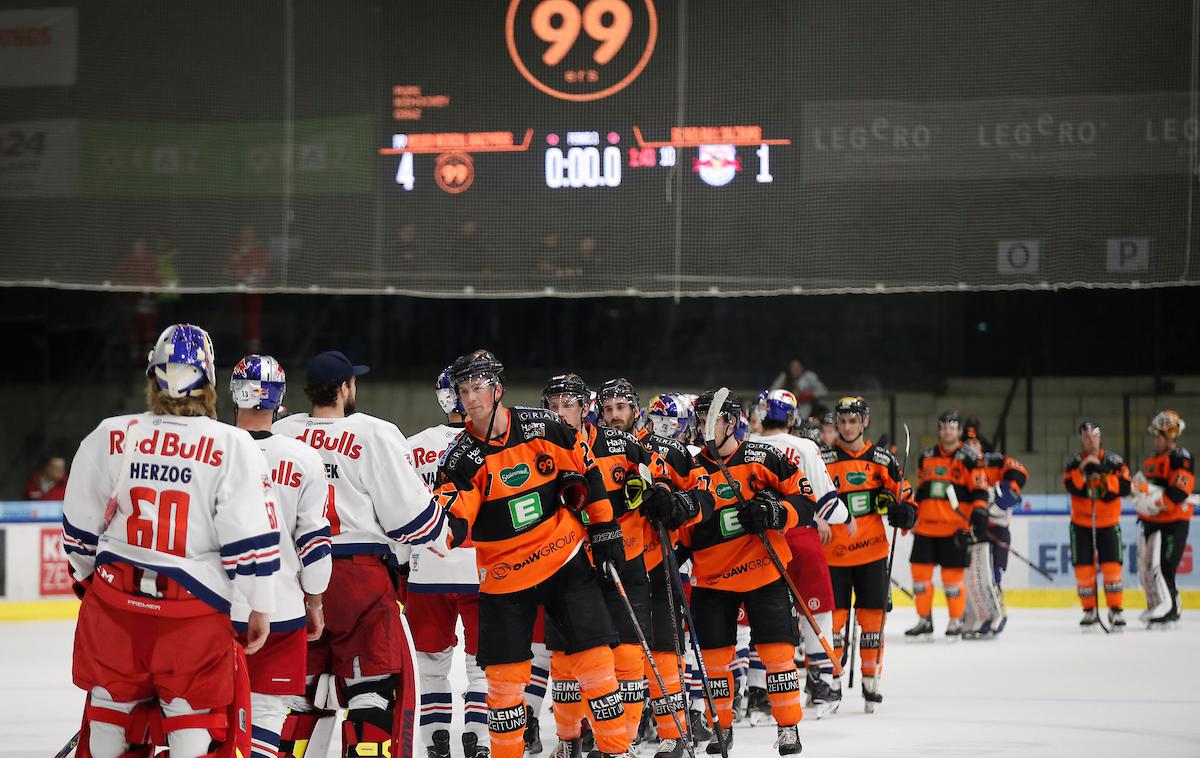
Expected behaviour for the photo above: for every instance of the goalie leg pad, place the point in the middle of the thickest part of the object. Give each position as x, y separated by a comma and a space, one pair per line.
1158, 595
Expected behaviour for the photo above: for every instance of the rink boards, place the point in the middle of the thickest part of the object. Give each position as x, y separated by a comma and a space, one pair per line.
35, 584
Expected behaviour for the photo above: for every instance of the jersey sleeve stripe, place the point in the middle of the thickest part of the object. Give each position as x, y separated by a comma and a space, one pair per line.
304, 539
316, 553
260, 542
78, 535
421, 529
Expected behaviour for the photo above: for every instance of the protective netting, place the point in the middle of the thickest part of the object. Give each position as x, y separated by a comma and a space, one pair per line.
585, 147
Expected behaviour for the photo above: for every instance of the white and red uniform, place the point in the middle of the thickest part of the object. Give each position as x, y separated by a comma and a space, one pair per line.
189, 522
375, 499
808, 567
278, 669
443, 587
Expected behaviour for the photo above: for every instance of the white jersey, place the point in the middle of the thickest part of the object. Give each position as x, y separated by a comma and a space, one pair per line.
375, 493
806, 456
192, 502
433, 569
298, 477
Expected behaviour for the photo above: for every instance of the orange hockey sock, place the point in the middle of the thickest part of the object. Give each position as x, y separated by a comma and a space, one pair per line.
1114, 590
840, 615
566, 702
952, 583
668, 668
594, 668
506, 708
922, 574
870, 643
1085, 585
630, 664
719, 662
783, 682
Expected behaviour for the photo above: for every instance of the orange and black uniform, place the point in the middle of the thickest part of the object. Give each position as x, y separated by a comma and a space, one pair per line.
858, 563
1173, 470
675, 465
935, 538
527, 547
618, 456
731, 567
1096, 493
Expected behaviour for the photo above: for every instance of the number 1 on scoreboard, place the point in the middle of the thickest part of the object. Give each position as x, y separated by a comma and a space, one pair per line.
404, 174
764, 164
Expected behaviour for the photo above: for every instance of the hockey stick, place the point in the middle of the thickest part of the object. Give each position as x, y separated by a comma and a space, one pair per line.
852, 641
1096, 548
903, 590
710, 441
1000, 543
67, 748
612, 572
903, 473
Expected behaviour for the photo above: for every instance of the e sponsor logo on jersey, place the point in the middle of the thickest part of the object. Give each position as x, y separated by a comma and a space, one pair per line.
525, 510
515, 476
731, 525
937, 490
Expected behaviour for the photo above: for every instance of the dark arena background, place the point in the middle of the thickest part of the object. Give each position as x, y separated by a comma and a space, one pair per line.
936, 204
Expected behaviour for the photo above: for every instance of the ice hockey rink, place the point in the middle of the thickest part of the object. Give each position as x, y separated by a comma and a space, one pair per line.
1042, 690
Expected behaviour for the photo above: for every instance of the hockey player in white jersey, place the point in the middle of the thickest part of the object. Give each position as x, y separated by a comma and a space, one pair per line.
443, 587
808, 568
375, 497
277, 672
165, 513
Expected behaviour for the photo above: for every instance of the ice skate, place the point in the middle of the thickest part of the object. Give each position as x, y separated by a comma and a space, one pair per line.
1091, 618
568, 749
954, 630
698, 727
787, 741
1116, 619
758, 707
533, 735
647, 731
923, 629
820, 700
441, 745
670, 748
714, 744
472, 748
870, 692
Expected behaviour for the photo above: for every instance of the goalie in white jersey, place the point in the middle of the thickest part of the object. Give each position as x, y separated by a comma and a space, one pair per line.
375, 498
170, 510
808, 567
277, 672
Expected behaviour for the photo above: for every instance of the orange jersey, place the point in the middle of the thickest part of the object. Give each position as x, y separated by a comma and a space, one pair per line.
1173, 471
725, 556
675, 465
618, 455
859, 478
507, 491
938, 471
998, 467
1105, 487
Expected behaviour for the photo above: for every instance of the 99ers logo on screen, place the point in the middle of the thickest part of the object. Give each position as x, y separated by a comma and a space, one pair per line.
581, 50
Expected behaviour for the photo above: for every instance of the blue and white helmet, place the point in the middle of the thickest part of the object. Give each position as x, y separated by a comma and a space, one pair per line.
778, 405
446, 394
182, 361
258, 382
668, 415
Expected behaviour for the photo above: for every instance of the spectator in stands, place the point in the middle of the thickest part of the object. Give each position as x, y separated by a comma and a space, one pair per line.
49, 482
247, 264
805, 385
140, 268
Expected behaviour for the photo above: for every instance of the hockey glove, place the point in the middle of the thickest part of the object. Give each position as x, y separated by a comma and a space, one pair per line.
458, 528
669, 508
1006, 495
963, 539
901, 515
572, 490
979, 525
765, 511
884, 501
608, 546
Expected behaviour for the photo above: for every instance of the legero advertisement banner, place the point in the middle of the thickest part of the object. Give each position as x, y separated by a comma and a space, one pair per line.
328, 155
38, 47
54, 578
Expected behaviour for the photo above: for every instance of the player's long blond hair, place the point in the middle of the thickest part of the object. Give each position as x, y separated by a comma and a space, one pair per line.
162, 404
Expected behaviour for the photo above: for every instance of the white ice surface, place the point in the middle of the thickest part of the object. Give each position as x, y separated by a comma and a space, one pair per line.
1042, 690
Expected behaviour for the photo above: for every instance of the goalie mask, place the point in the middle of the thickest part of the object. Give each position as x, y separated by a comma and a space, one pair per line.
668, 415
182, 361
1166, 423
258, 383
447, 395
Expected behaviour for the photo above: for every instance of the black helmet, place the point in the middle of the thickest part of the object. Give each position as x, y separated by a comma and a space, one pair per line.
828, 419
732, 406
618, 388
566, 384
480, 363
1090, 427
852, 404
950, 417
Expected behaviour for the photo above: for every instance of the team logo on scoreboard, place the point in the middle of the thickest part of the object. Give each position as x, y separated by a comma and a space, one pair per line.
580, 50
454, 172
717, 164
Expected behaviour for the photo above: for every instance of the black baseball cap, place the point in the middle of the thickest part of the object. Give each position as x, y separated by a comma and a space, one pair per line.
332, 367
